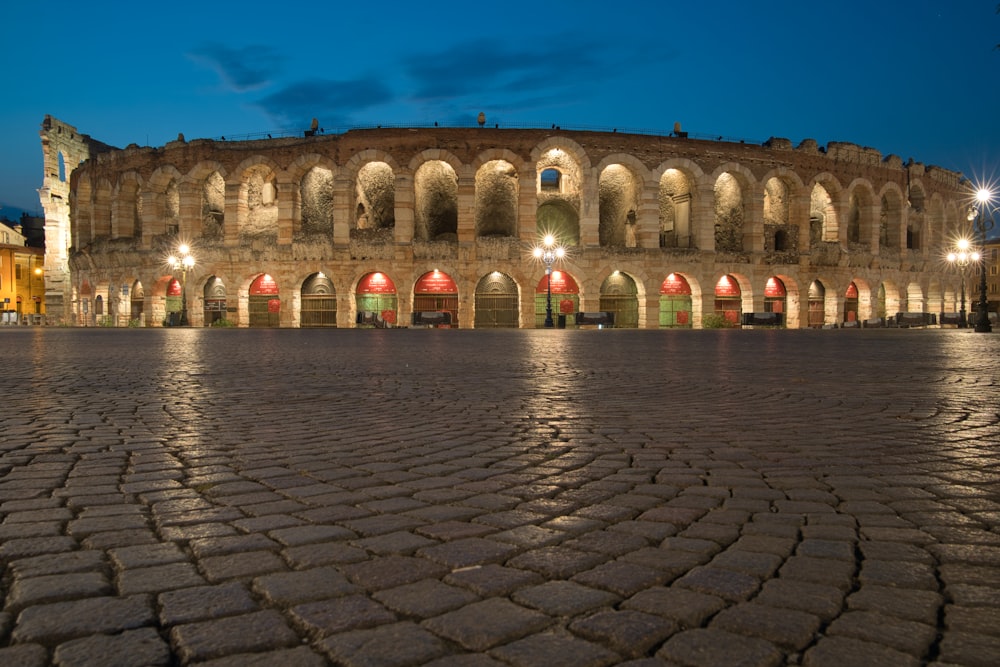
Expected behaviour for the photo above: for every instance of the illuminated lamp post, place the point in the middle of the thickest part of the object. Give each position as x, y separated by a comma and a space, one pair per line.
549, 251
983, 224
183, 261
961, 256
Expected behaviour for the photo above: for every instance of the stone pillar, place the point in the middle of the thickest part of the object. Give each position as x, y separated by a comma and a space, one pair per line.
232, 214
190, 209
287, 195
753, 221
590, 207
527, 207
648, 217
404, 211
703, 218
343, 211
466, 206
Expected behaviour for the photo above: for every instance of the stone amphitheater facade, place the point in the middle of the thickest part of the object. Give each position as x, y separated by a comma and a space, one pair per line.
369, 227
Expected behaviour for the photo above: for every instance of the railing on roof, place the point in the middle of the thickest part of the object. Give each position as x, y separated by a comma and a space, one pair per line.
322, 131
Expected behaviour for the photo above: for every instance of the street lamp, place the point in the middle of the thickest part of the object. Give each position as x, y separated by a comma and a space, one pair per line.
983, 224
549, 251
183, 260
961, 256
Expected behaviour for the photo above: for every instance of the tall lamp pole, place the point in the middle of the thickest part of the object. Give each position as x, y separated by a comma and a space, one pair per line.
984, 223
184, 261
961, 256
549, 251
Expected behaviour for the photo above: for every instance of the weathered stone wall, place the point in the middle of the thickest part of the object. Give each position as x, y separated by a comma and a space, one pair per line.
471, 201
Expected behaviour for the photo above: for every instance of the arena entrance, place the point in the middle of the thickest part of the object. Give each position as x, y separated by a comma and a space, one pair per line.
173, 306
851, 303
376, 301
729, 300
264, 306
675, 303
215, 301
435, 292
817, 305
497, 303
620, 296
319, 302
137, 298
775, 297
565, 299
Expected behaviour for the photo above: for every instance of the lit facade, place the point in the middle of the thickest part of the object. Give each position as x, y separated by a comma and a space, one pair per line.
392, 227
22, 280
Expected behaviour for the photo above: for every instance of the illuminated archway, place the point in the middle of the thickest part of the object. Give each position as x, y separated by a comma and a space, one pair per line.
729, 300
565, 293
497, 302
319, 302
264, 302
376, 301
435, 291
675, 302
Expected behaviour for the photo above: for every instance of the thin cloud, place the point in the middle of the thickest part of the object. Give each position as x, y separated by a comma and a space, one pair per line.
334, 101
241, 70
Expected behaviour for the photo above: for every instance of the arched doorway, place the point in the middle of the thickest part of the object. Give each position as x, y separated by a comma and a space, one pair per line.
817, 304
215, 300
173, 304
774, 296
565, 298
376, 301
729, 300
675, 303
620, 296
497, 303
319, 302
851, 303
137, 298
436, 292
264, 305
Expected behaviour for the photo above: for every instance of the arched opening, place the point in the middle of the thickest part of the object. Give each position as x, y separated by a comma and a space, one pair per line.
780, 240
376, 301
173, 303
316, 196
213, 206
851, 303
565, 298
775, 296
618, 201
436, 292
497, 303
729, 300
729, 214
215, 300
264, 305
319, 302
619, 296
496, 199
375, 198
816, 304
136, 300
435, 207
675, 210
560, 219
550, 180
675, 303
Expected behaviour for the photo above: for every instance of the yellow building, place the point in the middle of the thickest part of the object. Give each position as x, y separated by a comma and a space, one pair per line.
22, 279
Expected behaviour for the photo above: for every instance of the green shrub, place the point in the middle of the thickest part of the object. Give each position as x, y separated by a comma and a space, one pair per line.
714, 321
223, 323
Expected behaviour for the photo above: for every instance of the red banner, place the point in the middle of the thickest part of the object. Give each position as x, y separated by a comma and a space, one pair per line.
562, 283
174, 288
675, 285
727, 286
852, 291
435, 282
376, 283
263, 286
774, 287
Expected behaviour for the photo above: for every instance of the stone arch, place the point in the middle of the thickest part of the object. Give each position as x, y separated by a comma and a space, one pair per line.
497, 195
497, 299
676, 195
162, 216
619, 185
126, 218
824, 222
374, 196
916, 218
934, 223
914, 298
435, 199
257, 198
891, 224
731, 191
313, 214
561, 219
207, 187
861, 213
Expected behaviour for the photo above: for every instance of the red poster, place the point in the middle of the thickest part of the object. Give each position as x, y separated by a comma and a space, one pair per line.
774, 288
852, 291
727, 287
567, 307
263, 286
274, 305
174, 288
675, 285
682, 316
562, 283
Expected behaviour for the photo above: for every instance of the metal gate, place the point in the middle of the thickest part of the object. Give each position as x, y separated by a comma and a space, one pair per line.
497, 304
319, 302
264, 311
619, 296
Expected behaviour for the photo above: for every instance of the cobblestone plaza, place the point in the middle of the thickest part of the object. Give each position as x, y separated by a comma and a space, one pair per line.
509, 497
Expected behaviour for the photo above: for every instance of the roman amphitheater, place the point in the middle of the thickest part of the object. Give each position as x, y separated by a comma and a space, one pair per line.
392, 227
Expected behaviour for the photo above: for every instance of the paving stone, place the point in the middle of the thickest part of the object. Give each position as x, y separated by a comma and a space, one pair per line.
158, 578
402, 542
241, 565
912, 605
285, 588
902, 635
755, 564
688, 608
133, 648
973, 596
62, 621
425, 598
146, 555
483, 625
564, 598
335, 615
846, 652
309, 534
555, 651
787, 628
35, 546
628, 632
393, 645
709, 648
726, 584
821, 600
230, 544
901, 574
322, 553
249, 633
24, 655
392, 571
557, 562
86, 560
819, 571
621, 577
973, 650
468, 552
973, 620
492, 580
202, 603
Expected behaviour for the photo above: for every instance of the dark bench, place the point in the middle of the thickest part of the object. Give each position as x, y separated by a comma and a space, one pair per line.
908, 320
431, 318
598, 318
951, 318
762, 319
369, 318
874, 323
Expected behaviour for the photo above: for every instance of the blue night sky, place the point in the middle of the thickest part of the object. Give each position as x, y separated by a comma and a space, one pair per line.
907, 77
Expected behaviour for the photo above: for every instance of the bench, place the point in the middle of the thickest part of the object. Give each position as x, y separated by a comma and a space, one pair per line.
431, 318
600, 318
874, 323
762, 319
909, 320
951, 319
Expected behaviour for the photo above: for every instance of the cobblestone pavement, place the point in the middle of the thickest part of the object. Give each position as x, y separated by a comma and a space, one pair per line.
472, 498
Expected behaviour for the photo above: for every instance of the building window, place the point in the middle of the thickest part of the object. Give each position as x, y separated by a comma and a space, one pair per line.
17, 271
993, 271
550, 180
